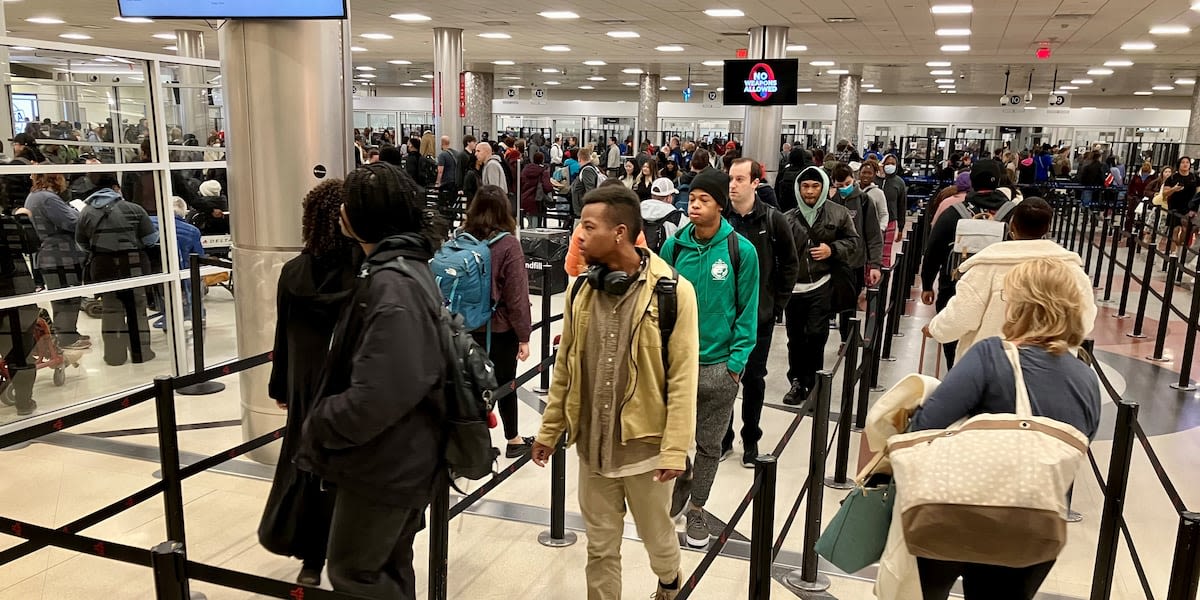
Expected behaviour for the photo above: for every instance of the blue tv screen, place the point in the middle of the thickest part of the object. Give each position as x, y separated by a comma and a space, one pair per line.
233, 9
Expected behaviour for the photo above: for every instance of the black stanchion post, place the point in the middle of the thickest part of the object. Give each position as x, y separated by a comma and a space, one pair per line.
867, 347
1112, 263
916, 249
1185, 568
1067, 236
846, 412
200, 388
900, 294
1114, 501
1144, 297
1104, 229
1189, 346
904, 283
544, 377
170, 572
168, 456
762, 529
1164, 317
439, 540
807, 578
1123, 304
1088, 241
878, 327
558, 536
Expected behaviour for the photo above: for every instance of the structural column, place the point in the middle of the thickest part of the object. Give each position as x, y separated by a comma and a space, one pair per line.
480, 90
447, 82
310, 60
6, 123
764, 124
1191, 143
647, 115
846, 126
193, 86
68, 97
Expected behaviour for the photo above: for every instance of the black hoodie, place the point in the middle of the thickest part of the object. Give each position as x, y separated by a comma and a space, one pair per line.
936, 264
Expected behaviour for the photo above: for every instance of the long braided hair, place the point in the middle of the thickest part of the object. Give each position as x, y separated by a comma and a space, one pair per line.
391, 191
321, 224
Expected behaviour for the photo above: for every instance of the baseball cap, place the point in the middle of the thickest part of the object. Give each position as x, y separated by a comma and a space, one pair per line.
663, 187
24, 139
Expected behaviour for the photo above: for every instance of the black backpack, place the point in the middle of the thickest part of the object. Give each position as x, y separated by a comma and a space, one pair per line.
470, 380
655, 230
427, 171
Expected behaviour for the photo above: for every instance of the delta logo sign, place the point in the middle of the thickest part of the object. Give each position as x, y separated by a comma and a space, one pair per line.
761, 83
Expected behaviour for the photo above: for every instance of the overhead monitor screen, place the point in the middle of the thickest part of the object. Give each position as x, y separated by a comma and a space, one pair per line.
768, 82
234, 9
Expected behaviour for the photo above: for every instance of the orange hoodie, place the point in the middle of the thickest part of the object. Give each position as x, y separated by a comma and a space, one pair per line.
575, 263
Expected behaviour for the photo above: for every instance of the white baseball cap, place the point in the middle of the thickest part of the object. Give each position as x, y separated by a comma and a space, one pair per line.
663, 187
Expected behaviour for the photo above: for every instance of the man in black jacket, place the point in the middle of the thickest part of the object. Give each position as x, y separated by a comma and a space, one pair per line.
785, 183
376, 431
866, 222
985, 176
1092, 173
768, 230
825, 240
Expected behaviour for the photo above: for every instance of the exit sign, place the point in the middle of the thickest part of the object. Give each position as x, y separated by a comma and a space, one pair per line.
743, 52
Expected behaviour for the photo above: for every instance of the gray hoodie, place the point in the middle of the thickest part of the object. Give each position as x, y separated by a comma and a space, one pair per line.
109, 224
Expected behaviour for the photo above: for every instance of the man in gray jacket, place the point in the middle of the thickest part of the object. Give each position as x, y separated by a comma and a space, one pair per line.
492, 171
115, 234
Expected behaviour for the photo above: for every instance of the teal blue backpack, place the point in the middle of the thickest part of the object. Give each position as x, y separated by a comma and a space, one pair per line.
463, 271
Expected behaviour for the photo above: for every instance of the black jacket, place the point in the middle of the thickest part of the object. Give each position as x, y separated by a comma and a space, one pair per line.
936, 264
771, 234
767, 194
833, 227
377, 428
866, 222
785, 186
1093, 173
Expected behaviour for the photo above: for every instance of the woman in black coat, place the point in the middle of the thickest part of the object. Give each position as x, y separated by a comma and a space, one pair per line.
313, 289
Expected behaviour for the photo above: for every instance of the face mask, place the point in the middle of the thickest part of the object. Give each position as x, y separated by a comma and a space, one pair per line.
846, 191
889, 169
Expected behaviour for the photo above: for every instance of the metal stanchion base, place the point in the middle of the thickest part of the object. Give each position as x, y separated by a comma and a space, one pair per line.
795, 581
203, 388
1074, 517
540, 390
546, 538
1165, 359
856, 429
198, 596
888, 359
1121, 316
1136, 336
899, 333
834, 484
879, 388
1184, 388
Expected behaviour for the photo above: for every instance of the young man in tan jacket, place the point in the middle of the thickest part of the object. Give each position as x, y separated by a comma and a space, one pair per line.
627, 405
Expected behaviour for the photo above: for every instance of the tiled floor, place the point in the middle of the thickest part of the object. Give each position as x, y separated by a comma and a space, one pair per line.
490, 558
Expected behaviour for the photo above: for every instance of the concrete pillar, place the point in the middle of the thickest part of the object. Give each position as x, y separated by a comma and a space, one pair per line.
193, 93
274, 160
846, 126
1191, 145
68, 97
764, 124
647, 114
480, 88
6, 123
447, 82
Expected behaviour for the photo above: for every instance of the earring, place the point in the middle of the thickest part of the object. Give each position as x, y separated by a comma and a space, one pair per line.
618, 239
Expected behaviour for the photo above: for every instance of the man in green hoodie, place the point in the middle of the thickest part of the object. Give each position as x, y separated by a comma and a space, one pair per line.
723, 267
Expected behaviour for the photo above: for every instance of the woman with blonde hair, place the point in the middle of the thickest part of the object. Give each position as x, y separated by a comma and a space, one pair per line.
428, 144
1043, 322
59, 258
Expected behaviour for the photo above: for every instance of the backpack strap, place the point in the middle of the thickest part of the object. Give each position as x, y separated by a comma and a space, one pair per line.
496, 238
666, 290
1003, 212
575, 287
962, 210
735, 260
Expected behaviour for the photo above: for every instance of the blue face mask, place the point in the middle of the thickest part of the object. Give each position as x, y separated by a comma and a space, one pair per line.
846, 191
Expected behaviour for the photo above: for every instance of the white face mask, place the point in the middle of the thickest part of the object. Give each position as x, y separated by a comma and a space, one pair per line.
889, 169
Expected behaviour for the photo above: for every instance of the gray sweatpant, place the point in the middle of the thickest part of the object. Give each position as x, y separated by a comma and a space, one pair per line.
715, 397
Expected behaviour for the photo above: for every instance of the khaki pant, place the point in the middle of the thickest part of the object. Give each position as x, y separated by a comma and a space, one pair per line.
603, 502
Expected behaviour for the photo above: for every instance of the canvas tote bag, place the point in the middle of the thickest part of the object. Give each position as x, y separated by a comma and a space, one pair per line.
990, 491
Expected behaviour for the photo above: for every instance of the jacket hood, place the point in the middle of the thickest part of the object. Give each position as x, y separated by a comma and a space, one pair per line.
407, 245
320, 280
990, 200
103, 197
686, 238
823, 177
1015, 252
656, 209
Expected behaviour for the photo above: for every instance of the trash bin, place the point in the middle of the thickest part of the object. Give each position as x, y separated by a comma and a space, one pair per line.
546, 246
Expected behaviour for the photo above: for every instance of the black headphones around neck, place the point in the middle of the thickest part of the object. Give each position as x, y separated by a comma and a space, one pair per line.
602, 279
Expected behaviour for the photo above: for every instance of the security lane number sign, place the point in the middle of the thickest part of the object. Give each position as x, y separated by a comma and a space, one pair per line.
1014, 103
539, 96
1059, 103
712, 99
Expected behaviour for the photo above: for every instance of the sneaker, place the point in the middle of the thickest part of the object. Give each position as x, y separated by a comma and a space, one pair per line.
309, 577
796, 395
161, 323
726, 453
519, 450
29, 409
79, 344
697, 528
750, 456
664, 593
680, 497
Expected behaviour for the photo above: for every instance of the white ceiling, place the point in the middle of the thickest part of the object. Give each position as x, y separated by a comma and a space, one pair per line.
889, 41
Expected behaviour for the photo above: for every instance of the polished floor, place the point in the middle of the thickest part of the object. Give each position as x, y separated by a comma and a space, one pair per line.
494, 552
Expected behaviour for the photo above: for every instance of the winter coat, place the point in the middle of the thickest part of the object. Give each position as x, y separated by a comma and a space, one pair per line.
896, 192
55, 222
510, 288
377, 427
115, 233
936, 263
977, 310
769, 232
492, 173
785, 187
866, 223
879, 201
728, 301
1139, 184
766, 193
532, 176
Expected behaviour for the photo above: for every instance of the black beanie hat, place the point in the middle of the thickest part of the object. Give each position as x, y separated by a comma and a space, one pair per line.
715, 183
382, 201
796, 158
985, 175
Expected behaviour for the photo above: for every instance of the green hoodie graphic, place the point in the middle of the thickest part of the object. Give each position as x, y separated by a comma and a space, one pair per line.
728, 304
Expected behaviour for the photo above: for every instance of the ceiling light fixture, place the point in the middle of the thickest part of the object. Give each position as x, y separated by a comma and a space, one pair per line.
503, 63
399, 61
367, 76
943, 81
724, 12
551, 83
417, 80
1068, 88
587, 87
1138, 46
804, 90
594, 63
838, 71
797, 48
410, 17
670, 48
427, 76
956, 48
951, 9
822, 63
939, 72
623, 34
1143, 93
953, 32
550, 70
171, 48
713, 63
406, 84
701, 84
875, 91
946, 87
511, 78
495, 35
1163, 88
662, 88
597, 78
1118, 63
1187, 81
1170, 30
163, 36
377, 36
672, 78
357, 49
720, 89
632, 71
936, 64
75, 36
1100, 72
866, 85
629, 83
137, 20
1081, 82
556, 48
558, 14
23, 48
364, 68
49, 21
